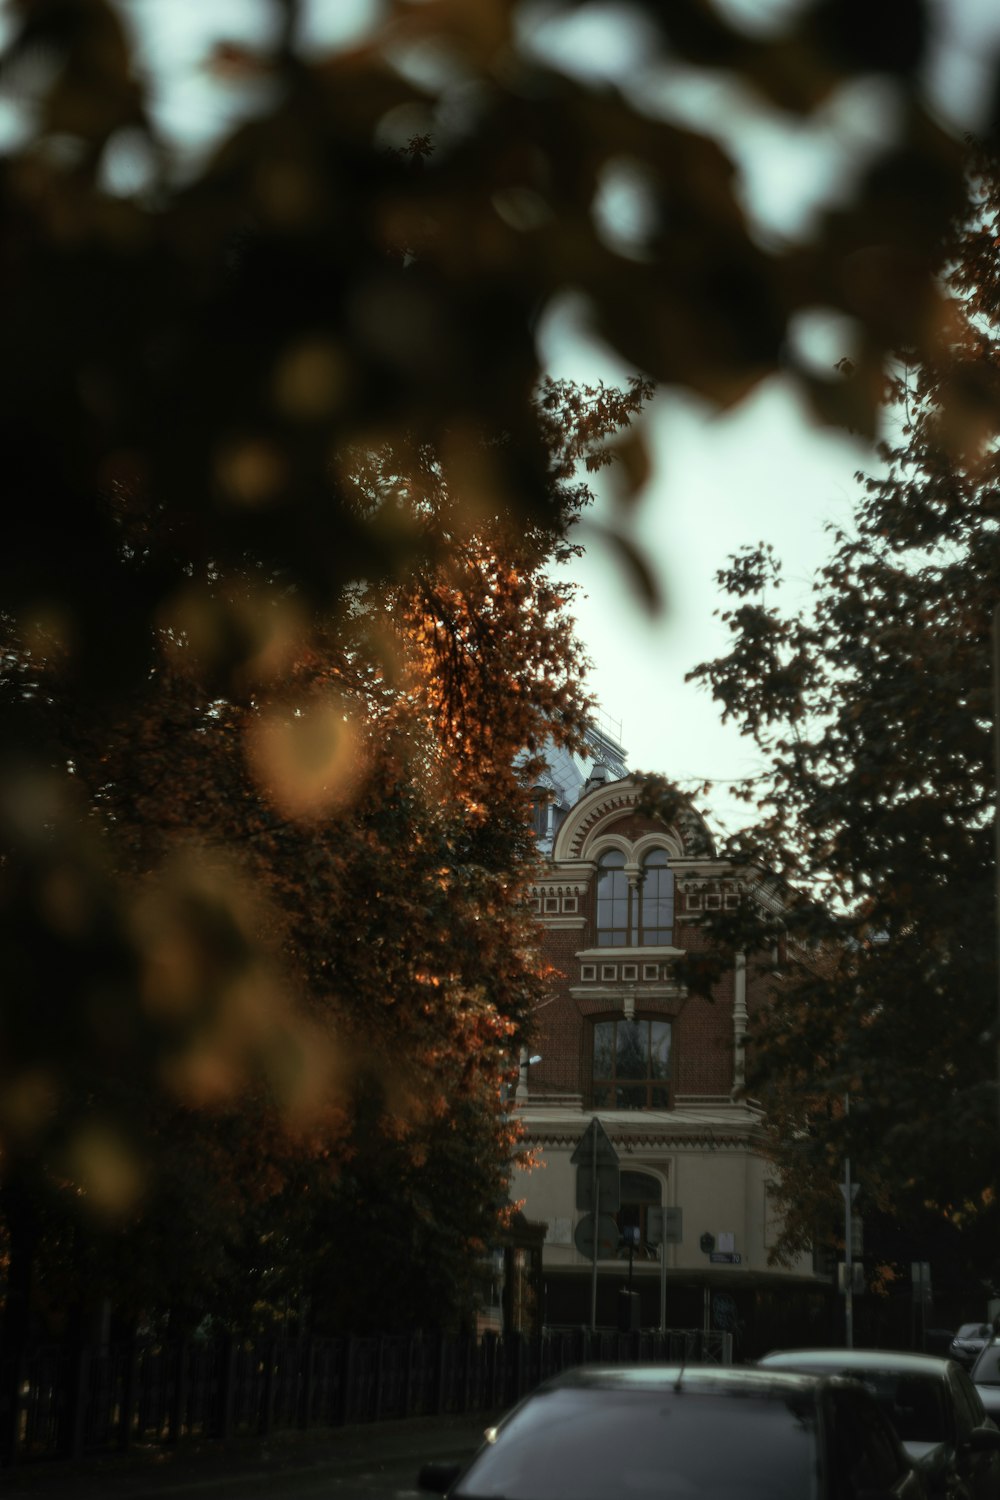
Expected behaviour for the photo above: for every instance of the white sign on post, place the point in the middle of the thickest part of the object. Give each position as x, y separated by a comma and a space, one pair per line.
664, 1226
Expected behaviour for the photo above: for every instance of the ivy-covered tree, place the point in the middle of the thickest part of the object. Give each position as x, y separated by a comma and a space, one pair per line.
875, 711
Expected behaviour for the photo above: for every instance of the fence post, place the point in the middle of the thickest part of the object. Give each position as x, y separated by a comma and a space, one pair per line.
10, 1420
518, 1366
463, 1361
130, 1385
379, 1378
307, 1375
491, 1346
408, 1375
227, 1388
265, 1420
77, 1405
439, 1375
179, 1402
346, 1380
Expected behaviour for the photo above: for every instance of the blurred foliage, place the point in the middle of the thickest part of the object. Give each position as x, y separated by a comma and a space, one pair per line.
875, 709
271, 957
280, 478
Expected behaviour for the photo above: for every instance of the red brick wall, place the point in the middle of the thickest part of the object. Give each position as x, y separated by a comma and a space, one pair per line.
702, 1041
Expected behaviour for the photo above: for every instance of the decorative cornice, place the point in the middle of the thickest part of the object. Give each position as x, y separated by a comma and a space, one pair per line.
740, 1139
653, 953
641, 991
614, 801
557, 887
687, 832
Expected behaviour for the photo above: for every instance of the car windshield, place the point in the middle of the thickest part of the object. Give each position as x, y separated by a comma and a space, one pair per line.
650, 1445
987, 1370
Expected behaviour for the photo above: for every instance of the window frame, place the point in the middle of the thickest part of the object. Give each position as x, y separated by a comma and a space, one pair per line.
612, 863
613, 1083
627, 914
656, 859
634, 1210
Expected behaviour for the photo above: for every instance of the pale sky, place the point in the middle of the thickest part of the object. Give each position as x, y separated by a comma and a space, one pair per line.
762, 471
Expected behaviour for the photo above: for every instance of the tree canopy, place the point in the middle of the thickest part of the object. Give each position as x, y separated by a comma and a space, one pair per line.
875, 708
271, 953
208, 341
280, 477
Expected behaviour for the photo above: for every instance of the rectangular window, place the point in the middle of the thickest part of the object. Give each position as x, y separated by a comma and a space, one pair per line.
656, 902
631, 1064
612, 902
541, 817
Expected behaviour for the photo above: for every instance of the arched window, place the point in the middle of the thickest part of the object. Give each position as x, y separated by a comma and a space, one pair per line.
631, 1064
639, 915
656, 900
640, 1191
612, 901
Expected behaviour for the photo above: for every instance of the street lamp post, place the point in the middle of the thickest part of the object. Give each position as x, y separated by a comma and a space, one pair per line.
631, 1237
849, 1192
848, 1189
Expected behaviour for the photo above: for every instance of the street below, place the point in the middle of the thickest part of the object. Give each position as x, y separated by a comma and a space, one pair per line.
377, 1462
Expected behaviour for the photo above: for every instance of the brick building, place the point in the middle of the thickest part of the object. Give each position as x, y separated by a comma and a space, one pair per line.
621, 897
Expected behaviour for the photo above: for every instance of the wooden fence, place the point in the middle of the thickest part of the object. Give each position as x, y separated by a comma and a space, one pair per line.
75, 1402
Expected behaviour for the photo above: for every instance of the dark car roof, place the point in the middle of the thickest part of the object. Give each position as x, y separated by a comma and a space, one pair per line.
834, 1361
714, 1379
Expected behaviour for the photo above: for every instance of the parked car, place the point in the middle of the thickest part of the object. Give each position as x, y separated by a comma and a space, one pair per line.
969, 1342
985, 1376
933, 1405
937, 1341
664, 1432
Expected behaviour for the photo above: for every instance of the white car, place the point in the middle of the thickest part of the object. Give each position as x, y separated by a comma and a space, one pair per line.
969, 1342
932, 1404
985, 1376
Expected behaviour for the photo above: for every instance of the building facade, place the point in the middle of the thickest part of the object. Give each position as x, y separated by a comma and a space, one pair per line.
621, 899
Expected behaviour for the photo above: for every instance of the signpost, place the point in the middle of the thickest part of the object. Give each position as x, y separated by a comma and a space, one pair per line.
598, 1191
923, 1300
849, 1192
596, 1162
607, 1236
664, 1226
